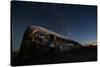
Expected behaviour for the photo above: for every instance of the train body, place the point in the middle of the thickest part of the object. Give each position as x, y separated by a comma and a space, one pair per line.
38, 41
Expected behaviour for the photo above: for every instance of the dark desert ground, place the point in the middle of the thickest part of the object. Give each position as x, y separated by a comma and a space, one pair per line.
83, 54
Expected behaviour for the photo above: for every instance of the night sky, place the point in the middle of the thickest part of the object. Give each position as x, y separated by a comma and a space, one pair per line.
78, 22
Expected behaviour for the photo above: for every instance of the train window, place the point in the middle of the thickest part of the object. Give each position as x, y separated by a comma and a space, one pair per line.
61, 47
52, 44
41, 37
64, 46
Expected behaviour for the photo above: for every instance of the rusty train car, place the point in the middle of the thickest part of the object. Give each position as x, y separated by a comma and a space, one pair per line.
38, 41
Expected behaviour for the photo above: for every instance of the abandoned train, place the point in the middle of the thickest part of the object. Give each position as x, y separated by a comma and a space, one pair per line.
38, 41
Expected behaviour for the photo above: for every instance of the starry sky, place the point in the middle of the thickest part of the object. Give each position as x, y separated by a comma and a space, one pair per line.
78, 22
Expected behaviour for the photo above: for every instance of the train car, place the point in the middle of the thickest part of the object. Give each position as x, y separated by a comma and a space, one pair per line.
38, 42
